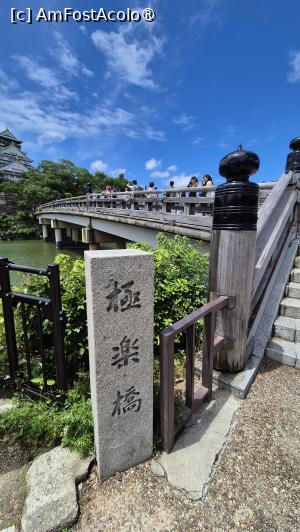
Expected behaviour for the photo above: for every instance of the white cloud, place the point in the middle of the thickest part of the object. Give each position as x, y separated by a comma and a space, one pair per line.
198, 140
223, 144
117, 172
67, 58
186, 121
47, 115
154, 134
151, 164
6, 82
172, 168
294, 74
206, 14
160, 175
51, 122
99, 166
127, 57
45, 77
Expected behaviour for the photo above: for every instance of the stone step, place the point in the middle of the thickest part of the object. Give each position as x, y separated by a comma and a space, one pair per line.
297, 262
295, 275
287, 329
283, 351
290, 307
293, 290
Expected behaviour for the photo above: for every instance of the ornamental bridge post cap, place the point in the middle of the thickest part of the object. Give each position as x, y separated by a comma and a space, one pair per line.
239, 165
236, 201
293, 158
295, 144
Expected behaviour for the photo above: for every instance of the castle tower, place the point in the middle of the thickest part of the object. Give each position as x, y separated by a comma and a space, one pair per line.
13, 161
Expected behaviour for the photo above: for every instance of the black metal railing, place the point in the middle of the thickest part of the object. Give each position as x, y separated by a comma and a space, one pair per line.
39, 341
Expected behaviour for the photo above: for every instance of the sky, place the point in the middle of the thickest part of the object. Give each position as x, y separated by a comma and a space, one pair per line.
160, 100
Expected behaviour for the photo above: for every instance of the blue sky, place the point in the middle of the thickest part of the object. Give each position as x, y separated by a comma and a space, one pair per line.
163, 100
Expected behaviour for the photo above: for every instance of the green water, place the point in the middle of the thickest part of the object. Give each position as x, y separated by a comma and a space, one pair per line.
31, 253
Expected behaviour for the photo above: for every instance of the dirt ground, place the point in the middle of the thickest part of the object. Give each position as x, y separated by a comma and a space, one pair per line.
13, 466
256, 486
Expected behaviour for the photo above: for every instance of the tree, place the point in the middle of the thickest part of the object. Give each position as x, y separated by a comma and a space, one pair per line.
50, 181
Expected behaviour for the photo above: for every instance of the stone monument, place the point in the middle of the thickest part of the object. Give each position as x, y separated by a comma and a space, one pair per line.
119, 287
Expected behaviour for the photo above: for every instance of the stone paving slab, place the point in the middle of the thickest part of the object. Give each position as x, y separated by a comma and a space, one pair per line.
191, 463
51, 502
5, 404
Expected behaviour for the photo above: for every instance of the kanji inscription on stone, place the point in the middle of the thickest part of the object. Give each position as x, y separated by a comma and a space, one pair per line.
122, 296
130, 401
126, 351
120, 303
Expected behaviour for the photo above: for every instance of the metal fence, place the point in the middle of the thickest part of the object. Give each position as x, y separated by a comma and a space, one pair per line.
35, 343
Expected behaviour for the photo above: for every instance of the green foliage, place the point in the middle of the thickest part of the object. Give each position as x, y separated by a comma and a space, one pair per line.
180, 286
50, 181
21, 225
40, 425
180, 280
72, 283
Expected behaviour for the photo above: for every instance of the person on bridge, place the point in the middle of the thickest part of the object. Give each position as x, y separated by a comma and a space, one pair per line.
207, 181
193, 184
107, 191
132, 186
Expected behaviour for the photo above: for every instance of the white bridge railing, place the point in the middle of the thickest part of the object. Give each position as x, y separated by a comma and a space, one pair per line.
181, 203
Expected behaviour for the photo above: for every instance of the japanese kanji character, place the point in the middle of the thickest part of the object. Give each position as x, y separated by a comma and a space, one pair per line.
125, 352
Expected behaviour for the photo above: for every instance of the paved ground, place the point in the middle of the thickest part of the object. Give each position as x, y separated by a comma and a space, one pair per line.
256, 486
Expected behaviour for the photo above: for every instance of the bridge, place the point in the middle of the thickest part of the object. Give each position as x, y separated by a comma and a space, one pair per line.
133, 216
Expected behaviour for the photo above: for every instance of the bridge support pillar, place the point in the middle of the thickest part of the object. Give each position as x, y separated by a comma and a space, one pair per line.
93, 246
58, 237
69, 231
120, 243
74, 234
45, 231
232, 254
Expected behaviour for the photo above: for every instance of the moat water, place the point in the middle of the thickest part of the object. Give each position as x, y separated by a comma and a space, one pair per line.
39, 253
31, 253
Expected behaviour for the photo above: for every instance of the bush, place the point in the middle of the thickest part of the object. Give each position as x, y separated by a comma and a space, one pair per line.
180, 286
180, 280
21, 225
40, 425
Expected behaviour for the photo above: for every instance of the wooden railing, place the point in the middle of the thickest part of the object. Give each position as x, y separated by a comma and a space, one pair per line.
276, 228
211, 345
158, 204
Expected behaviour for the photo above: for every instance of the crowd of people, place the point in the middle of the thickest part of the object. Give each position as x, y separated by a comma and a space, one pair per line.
132, 186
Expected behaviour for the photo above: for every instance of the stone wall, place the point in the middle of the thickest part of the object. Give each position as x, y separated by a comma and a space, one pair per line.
8, 202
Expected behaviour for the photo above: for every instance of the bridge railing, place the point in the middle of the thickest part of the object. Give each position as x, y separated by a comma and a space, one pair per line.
276, 229
180, 201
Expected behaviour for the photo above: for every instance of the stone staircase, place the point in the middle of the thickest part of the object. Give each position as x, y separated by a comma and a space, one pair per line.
284, 347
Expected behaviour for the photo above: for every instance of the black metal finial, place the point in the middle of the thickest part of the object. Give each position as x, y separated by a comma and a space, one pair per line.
236, 201
293, 158
239, 165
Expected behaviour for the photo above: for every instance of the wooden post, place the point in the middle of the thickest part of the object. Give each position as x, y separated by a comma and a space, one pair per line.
293, 164
232, 254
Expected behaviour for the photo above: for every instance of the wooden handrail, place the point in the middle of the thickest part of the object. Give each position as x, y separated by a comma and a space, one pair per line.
272, 201
212, 345
213, 306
